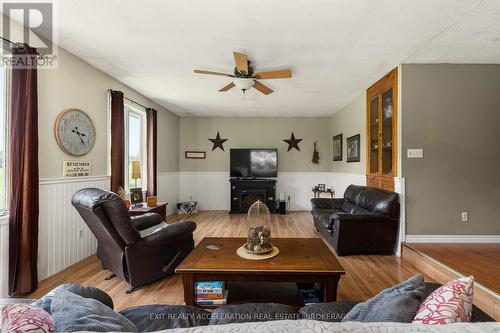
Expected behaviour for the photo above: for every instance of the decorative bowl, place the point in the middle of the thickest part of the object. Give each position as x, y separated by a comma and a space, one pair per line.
266, 248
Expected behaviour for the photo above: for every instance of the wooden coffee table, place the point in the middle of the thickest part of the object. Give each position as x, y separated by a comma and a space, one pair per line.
301, 260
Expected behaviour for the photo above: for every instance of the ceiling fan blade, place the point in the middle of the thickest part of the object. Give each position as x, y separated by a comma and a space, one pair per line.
241, 61
283, 74
199, 71
262, 88
226, 88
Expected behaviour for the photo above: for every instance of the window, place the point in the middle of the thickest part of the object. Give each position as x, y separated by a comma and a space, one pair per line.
135, 147
3, 138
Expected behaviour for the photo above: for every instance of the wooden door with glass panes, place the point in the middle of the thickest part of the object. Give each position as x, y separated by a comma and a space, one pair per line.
381, 123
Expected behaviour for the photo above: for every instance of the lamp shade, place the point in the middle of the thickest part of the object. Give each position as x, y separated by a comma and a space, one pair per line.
136, 169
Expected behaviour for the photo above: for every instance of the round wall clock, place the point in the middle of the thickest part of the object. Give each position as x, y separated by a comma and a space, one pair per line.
75, 132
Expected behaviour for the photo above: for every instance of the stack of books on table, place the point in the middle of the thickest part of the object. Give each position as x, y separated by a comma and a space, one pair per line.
211, 293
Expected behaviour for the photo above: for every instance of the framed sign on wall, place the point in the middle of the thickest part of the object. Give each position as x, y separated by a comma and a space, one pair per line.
73, 169
195, 154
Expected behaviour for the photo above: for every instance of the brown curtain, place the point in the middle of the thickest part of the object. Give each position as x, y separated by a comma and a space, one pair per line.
23, 176
117, 140
151, 116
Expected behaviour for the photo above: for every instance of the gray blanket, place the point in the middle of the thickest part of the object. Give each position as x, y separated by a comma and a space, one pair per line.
313, 326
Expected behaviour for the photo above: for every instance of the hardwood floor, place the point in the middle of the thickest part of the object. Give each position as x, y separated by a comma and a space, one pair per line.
480, 260
453, 267
365, 275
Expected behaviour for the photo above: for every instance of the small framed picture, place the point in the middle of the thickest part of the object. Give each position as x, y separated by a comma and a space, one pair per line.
353, 148
337, 147
136, 196
195, 154
321, 187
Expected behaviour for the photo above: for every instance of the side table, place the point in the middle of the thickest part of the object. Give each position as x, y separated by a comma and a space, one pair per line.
160, 208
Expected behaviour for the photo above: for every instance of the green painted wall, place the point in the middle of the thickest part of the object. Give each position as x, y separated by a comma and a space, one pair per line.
76, 84
453, 113
349, 121
256, 133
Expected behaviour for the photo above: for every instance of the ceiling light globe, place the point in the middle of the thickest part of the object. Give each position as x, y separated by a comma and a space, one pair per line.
243, 84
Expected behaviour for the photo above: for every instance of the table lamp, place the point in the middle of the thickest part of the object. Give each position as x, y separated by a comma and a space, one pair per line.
136, 171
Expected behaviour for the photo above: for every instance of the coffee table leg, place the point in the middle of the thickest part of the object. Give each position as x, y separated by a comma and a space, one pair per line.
188, 284
330, 284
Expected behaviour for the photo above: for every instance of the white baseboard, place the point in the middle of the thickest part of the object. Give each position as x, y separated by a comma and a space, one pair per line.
452, 239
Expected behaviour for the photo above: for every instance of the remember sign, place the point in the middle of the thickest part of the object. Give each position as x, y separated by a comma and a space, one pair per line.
72, 169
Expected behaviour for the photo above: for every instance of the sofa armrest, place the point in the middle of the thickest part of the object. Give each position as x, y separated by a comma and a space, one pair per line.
327, 203
172, 232
145, 221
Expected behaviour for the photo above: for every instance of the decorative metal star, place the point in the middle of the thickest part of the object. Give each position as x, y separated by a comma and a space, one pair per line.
292, 142
218, 142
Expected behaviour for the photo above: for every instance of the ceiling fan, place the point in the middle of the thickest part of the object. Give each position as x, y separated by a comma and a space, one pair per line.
245, 77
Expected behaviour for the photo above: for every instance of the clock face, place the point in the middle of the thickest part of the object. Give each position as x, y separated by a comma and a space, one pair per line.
75, 132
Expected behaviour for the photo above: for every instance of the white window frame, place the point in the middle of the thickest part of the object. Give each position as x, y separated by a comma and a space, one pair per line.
141, 113
5, 164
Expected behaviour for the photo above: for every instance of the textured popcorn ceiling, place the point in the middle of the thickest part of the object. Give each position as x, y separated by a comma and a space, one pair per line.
335, 48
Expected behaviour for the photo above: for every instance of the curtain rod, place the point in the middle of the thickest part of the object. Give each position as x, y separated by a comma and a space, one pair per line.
131, 100
13, 44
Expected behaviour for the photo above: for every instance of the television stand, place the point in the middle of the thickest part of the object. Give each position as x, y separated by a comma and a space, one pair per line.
245, 192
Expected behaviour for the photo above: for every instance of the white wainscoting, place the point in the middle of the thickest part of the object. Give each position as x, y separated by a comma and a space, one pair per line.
211, 189
59, 245
168, 190
4, 256
298, 186
340, 181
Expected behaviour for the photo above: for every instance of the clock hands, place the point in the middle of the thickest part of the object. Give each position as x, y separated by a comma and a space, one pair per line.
80, 135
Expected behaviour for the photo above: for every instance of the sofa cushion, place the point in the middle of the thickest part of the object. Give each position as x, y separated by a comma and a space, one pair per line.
396, 304
78, 289
73, 313
251, 312
25, 318
448, 304
316, 212
148, 318
332, 311
351, 208
378, 201
352, 193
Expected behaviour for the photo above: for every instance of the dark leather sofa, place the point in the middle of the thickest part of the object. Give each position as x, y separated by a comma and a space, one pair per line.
148, 318
366, 220
122, 249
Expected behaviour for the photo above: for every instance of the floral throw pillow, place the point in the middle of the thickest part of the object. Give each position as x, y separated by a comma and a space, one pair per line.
26, 318
448, 304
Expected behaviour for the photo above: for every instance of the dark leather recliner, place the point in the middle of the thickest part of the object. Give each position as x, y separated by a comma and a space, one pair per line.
366, 220
138, 259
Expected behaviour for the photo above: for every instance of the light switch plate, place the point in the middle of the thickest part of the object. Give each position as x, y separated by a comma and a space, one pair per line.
415, 153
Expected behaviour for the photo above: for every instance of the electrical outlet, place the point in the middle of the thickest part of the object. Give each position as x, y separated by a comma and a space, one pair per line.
465, 217
190, 197
79, 233
415, 153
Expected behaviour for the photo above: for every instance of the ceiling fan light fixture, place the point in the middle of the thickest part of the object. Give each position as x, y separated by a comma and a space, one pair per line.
243, 83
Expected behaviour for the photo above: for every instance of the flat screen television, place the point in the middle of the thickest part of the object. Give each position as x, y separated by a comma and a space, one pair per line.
254, 163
